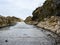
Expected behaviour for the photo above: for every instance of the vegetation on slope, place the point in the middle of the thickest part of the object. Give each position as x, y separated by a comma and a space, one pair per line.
48, 9
5, 21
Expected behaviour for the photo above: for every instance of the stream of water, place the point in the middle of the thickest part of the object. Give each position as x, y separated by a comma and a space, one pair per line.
24, 34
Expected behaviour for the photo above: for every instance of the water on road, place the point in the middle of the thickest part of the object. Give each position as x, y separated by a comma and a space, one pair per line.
23, 34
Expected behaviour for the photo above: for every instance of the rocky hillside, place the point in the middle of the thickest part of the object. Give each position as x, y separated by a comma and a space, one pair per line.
49, 8
51, 24
47, 16
5, 21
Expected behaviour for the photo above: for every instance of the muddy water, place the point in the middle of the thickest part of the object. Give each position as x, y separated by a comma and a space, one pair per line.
23, 34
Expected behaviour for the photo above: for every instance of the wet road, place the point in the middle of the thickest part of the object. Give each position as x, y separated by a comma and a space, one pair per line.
23, 34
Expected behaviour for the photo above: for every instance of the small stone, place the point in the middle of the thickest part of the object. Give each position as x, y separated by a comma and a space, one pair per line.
49, 35
6, 40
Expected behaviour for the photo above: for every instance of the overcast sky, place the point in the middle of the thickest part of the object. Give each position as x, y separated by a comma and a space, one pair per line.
19, 8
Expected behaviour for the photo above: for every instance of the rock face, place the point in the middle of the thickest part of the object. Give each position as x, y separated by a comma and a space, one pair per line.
48, 9
52, 24
29, 20
5, 21
48, 15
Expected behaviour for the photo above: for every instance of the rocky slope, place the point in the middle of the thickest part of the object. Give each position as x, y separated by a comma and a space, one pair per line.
29, 20
49, 8
47, 16
6, 21
51, 24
